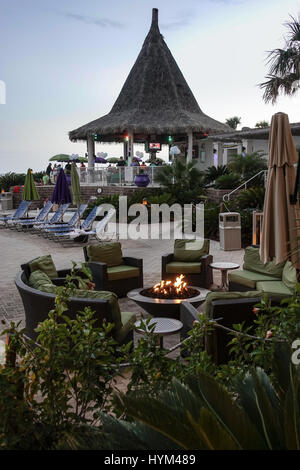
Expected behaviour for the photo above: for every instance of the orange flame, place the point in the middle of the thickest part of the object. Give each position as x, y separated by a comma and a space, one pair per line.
168, 287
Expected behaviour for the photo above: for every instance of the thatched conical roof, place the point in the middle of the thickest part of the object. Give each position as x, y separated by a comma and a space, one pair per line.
155, 98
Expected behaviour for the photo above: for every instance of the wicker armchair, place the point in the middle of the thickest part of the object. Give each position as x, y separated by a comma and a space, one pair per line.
116, 279
196, 273
227, 312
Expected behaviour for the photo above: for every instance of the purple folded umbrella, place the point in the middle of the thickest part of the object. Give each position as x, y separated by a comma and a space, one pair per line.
61, 193
100, 160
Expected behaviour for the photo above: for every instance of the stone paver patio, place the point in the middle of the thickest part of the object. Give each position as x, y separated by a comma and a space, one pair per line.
18, 247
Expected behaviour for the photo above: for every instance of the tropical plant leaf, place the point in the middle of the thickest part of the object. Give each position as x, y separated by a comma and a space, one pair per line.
226, 410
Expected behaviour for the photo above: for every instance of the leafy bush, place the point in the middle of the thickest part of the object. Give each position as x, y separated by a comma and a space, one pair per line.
60, 384
251, 198
183, 181
11, 179
211, 220
227, 181
202, 414
249, 165
212, 173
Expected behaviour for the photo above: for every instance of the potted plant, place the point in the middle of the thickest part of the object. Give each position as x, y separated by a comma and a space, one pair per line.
141, 179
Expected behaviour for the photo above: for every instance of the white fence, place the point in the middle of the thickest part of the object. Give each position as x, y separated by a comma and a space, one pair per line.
117, 176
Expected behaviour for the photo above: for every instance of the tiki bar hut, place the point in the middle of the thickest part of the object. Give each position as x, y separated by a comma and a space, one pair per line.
155, 106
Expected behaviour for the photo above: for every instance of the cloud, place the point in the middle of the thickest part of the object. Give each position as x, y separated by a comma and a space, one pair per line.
100, 22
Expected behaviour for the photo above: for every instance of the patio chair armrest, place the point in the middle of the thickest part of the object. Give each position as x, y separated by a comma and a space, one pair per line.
63, 272
188, 314
206, 260
165, 259
206, 270
59, 281
99, 273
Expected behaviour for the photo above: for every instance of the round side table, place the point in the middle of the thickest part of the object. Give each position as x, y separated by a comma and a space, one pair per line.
163, 327
224, 267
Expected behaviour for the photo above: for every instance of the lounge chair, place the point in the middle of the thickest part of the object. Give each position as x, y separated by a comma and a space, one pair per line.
19, 213
64, 232
71, 224
99, 231
57, 217
26, 224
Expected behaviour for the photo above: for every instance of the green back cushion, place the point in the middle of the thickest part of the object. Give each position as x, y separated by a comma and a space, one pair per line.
289, 275
45, 264
226, 296
190, 250
41, 281
252, 262
108, 253
112, 299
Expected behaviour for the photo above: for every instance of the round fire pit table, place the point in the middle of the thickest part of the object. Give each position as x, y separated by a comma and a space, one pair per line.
169, 308
224, 267
163, 327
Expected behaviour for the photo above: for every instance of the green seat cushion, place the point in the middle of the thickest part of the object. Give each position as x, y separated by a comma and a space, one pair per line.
115, 273
45, 264
190, 250
128, 320
274, 288
252, 262
227, 296
108, 253
180, 267
248, 278
106, 295
289, 275
41, 281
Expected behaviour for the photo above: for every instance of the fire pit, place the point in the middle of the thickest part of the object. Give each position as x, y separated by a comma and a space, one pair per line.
164, 298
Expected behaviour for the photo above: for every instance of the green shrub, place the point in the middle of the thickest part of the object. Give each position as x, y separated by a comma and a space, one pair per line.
249, 165
60, 384
251, 198
227, 181
182, 180
212, 173
11, 179
211, 220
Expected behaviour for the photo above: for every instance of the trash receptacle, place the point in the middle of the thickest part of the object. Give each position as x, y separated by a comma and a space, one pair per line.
230, 231
6, 201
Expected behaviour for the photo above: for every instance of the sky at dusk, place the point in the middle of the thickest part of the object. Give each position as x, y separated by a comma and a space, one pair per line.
64, 63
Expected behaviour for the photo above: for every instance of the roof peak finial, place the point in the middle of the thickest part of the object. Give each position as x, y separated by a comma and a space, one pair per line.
155, 17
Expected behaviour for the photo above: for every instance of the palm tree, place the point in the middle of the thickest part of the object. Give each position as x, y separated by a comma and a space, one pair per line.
201, 414
262, 124
284, 71
233, 122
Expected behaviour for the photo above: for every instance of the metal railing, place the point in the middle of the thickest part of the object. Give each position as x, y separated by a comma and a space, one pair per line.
117, 176
226, 197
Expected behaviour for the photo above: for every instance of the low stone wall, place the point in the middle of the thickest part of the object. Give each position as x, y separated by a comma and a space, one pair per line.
86, 192
216, 195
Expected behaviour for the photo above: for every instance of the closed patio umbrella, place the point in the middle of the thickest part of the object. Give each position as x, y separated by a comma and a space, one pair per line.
279, 227
61, 193
75, 187
30, 192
